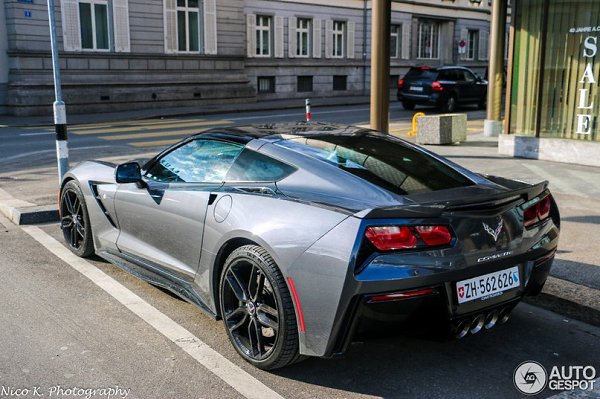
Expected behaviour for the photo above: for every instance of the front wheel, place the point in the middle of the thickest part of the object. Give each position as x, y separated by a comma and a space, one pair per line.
257, 309
449, 104
74, 220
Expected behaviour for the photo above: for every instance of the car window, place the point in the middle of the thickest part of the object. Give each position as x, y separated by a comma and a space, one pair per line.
199, 161
468, 76
421, 74
253, 166
382, 161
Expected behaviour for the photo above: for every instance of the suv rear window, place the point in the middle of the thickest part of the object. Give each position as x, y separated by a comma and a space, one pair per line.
415, 73
380, 160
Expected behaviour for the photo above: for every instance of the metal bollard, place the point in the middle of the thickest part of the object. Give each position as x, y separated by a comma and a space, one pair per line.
308, 115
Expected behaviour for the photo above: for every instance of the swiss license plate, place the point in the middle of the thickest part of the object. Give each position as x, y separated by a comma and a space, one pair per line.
416, 88
488, 286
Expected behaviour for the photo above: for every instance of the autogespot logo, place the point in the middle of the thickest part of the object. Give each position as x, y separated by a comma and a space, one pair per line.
530, 378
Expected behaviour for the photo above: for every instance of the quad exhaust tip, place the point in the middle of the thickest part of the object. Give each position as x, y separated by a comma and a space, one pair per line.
481, 321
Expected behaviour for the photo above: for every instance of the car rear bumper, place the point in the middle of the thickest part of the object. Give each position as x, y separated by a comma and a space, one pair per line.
438, 312
422, 99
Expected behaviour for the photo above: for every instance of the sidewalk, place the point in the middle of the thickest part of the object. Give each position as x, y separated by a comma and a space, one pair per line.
574, 286
105, 117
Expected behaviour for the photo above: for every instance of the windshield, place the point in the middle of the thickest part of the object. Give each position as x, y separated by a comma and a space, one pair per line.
421, 74
383, 161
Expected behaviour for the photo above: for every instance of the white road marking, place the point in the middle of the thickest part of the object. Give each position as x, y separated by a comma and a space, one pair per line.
230, 373
36, 134
27, 154
561, 185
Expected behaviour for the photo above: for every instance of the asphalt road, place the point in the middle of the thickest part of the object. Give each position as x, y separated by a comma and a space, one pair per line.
61, 329
29, 147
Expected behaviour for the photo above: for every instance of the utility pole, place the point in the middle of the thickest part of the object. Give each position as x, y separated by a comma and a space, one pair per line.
60, 114
493, 122
380, 64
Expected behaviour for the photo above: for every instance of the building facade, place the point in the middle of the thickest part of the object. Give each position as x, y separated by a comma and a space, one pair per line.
552, 101
138, 54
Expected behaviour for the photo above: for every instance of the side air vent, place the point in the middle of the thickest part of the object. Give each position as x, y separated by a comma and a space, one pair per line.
94, 187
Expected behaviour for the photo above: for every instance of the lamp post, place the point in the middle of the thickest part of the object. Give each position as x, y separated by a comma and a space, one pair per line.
60, 115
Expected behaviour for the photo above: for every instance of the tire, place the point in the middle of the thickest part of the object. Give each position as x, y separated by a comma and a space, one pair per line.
75, 221
449, 104
249, 317
407, 105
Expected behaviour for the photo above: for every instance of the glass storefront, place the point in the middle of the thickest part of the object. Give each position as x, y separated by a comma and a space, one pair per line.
556, 69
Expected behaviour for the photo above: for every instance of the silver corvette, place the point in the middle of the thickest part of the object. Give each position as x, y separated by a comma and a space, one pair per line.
301, 236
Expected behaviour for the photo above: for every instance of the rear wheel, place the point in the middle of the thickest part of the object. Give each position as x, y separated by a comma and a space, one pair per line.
257, 309
407, 105
74, 220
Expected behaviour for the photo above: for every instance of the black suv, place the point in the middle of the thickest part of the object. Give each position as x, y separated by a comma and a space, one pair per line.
444, 87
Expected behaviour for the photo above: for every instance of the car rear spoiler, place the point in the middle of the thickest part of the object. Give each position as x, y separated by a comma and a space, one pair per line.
434, 204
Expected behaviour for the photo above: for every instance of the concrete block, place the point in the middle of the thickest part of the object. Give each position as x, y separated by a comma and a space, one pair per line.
442, 129
492, 128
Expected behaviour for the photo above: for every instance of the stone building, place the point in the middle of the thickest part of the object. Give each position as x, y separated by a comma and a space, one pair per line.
137, 54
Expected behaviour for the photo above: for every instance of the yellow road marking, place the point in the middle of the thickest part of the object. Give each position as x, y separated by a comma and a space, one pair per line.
138, 128
154, 143
155, 134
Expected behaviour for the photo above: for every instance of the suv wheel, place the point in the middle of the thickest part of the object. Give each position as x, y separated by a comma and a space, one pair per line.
449, 104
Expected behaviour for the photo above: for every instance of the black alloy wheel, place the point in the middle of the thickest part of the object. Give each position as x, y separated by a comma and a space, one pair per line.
74, 221
257, 309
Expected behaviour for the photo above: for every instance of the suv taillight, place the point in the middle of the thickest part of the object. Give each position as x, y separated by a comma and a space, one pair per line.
538, 212
437, 86
389, 238
400, 83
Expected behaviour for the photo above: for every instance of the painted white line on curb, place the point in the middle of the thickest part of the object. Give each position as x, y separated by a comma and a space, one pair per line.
230, 373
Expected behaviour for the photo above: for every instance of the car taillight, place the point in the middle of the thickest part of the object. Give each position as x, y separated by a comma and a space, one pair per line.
434, 235
400, 83
388, 238
538, 212
437, 86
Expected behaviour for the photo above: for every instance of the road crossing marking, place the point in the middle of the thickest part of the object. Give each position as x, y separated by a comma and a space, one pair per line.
154, 143
213, 361
153, 134
138, 128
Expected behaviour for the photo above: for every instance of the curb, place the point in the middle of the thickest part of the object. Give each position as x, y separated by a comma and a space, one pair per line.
175, 112
569, 299
30, 214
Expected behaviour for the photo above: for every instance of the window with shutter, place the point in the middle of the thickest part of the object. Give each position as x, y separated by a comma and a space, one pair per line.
250, 35
70, 25
292, 40
328, 38
464, 37
210, 27
170, 24
316, 38
406, 41
190, 26
338, 39
121, 25
303, 34
93, 25
278, 36
350, 40
483, 45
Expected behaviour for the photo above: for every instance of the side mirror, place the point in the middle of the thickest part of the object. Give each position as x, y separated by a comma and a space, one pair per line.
128, 173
